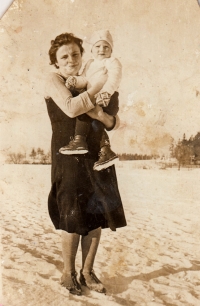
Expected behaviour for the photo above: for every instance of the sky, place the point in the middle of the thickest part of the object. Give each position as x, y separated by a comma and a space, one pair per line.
157, 42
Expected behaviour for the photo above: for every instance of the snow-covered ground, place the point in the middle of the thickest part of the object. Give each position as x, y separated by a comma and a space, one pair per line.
155, 260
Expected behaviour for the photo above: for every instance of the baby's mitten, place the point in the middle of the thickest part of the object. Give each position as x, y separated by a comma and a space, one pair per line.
71, 82
103, 99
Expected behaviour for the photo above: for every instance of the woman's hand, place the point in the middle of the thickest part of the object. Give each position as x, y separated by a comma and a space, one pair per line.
96, 113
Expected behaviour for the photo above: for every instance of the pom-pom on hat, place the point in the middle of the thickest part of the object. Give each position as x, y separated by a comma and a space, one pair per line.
101, 35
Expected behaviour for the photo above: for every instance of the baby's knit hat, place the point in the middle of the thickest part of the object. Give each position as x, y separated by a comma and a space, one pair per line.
101, 35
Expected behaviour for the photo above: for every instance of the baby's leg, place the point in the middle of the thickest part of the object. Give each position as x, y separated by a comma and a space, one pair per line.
106, 115
82, 126
107, 156
78, 144
113, 106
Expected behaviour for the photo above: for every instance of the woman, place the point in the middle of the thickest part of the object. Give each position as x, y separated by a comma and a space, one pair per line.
81, 201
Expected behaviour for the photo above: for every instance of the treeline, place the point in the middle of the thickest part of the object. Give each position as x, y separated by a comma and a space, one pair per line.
36, 156
187, 151
125, 156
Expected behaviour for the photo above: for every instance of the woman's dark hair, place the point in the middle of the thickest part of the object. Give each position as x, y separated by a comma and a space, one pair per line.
60, 40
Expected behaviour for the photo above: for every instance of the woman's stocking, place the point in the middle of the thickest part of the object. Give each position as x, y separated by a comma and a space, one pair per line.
89, 246
70, 244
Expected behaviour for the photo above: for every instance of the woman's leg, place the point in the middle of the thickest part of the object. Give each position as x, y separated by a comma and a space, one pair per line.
89, 246
70, 244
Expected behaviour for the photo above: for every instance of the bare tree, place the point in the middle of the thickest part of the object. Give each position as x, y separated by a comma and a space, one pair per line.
15, 158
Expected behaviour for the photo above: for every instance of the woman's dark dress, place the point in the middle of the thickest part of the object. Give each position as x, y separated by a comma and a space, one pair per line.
80, 199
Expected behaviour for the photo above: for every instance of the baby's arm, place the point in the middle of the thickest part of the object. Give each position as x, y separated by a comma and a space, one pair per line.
112, 83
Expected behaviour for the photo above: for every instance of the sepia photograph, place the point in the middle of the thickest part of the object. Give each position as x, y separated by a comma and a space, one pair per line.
100, 153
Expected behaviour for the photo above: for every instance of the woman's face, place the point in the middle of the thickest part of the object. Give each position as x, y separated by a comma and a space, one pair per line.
69, 59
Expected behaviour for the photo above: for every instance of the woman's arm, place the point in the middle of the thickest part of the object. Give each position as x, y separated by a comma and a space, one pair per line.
71, 106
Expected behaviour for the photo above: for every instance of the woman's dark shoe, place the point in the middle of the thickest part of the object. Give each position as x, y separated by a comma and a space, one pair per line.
106, 159
69, 281
91, 281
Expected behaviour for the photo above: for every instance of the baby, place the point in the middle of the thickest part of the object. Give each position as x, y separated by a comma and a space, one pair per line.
109, 68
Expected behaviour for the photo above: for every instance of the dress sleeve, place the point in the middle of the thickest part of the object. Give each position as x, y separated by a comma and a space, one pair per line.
114, 77
71, 106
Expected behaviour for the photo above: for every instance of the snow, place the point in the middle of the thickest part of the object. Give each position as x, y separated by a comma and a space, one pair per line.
153, 261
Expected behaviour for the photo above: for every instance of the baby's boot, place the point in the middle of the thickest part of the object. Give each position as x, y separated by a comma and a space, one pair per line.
77, 145
106, 159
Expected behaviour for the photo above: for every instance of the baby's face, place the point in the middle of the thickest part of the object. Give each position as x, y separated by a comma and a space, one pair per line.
101, 50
